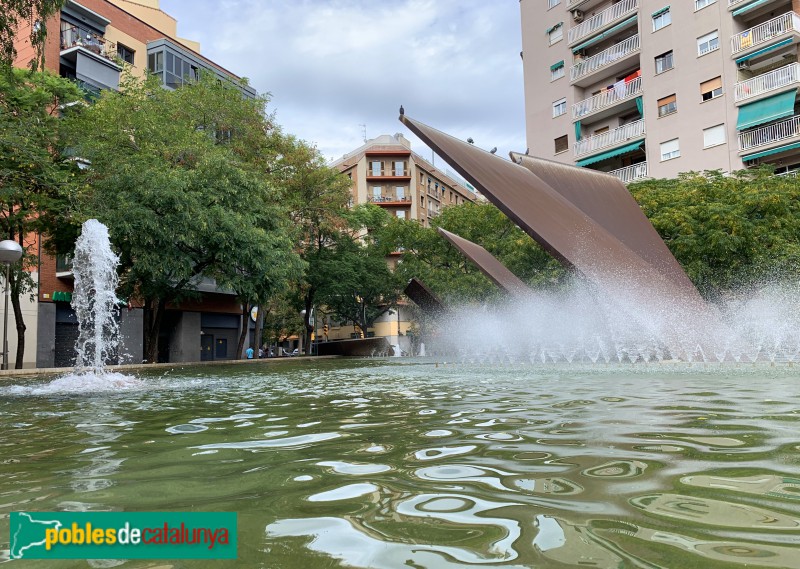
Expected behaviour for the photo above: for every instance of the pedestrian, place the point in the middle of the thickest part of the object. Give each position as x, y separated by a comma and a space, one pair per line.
249, 353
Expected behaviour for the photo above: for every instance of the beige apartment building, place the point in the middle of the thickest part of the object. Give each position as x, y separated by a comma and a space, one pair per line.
387, 173
649, 88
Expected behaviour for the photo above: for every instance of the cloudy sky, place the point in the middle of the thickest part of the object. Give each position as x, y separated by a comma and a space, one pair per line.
332, 66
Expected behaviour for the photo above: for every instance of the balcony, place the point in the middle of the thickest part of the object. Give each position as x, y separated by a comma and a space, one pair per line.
390, 200
603, 20
610, 138
606, 99
605, 59
631, 173
89, 59
770, 82
769, 134
789, 174
747, 5
390, 174
78, 37
761, 34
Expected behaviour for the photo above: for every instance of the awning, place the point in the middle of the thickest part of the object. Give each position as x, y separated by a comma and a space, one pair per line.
661, 11
751, 6
557, 65
610, 153
558, 25
765, 50
605, 34
577, 130
771, 151
766, 110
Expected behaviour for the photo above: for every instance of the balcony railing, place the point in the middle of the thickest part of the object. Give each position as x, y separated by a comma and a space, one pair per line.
765, 32
392, 199
775, 79
607, 98
602, 19
734, 2
387, 173
789, 174
609, 138
770, 133
632, 173
606, 57
75, 36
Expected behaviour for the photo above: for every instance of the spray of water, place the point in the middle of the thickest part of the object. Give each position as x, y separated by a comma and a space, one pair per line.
584, 323
95, 300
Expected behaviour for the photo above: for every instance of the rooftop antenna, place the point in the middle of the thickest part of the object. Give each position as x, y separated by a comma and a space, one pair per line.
363, 131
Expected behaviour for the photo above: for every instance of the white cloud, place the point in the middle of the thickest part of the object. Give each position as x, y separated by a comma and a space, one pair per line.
334, 65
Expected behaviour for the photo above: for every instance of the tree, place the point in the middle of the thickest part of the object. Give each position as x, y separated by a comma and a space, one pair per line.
317, 197
181, 179
728, 232
35, 13
429, 257
33, 174
354, 281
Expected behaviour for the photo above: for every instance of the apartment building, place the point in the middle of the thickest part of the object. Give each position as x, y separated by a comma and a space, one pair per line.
90, 42
386, 172
649, 88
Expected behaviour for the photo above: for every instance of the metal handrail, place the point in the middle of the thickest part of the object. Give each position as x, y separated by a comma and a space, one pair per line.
610, 138
770, 81
765, 32
770, 133
631, 173
605, 57
607, 98
598, 21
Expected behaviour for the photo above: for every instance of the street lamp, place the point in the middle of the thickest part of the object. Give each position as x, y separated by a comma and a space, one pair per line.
10, 253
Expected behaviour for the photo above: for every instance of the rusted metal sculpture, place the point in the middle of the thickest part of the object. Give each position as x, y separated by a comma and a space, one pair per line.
601, 235
424, 298
487, 263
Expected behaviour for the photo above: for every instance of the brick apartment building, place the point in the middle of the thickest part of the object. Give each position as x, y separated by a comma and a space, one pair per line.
85, 43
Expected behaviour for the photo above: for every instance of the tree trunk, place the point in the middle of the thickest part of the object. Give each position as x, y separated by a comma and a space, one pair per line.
20, 322
153, 318
245, 327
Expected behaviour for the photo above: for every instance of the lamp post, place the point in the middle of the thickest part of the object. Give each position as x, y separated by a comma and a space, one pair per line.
10, 252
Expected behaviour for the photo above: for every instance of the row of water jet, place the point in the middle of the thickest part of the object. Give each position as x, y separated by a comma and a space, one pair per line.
95, 299
582, 324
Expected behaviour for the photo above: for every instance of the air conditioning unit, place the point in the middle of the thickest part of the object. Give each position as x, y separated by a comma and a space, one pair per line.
577, 16
743, 65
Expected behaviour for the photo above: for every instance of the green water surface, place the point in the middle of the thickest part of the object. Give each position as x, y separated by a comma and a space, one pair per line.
410, 464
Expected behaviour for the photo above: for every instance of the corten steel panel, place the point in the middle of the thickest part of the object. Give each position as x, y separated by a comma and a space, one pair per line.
608, 202
423, 297
561, 227
487, 263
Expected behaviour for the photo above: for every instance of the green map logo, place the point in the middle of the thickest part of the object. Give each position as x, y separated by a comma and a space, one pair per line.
123, 535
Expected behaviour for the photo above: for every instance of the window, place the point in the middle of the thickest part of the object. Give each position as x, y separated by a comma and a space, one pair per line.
661, 19
667, 106
376, 193
399, 168
700, 4
664, 62
670, 150
553, 3
375, 168
711, 89
557, 70
562, 144
559, 107
708, 43
401, 193
714, 136
155, 62
401, 214
556, 33
125, 53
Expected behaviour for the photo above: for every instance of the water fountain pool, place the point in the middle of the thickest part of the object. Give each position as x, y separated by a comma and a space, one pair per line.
397, 463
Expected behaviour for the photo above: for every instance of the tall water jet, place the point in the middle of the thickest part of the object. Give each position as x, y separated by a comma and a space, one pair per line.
95, 300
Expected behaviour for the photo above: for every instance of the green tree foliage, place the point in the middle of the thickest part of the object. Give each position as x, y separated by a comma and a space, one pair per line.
33, 12
429, 257
33, 175
727, 232
180, 178
354, 281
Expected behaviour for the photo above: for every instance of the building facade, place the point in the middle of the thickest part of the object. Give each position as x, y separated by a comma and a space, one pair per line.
91, 42
385, 171
645, 88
